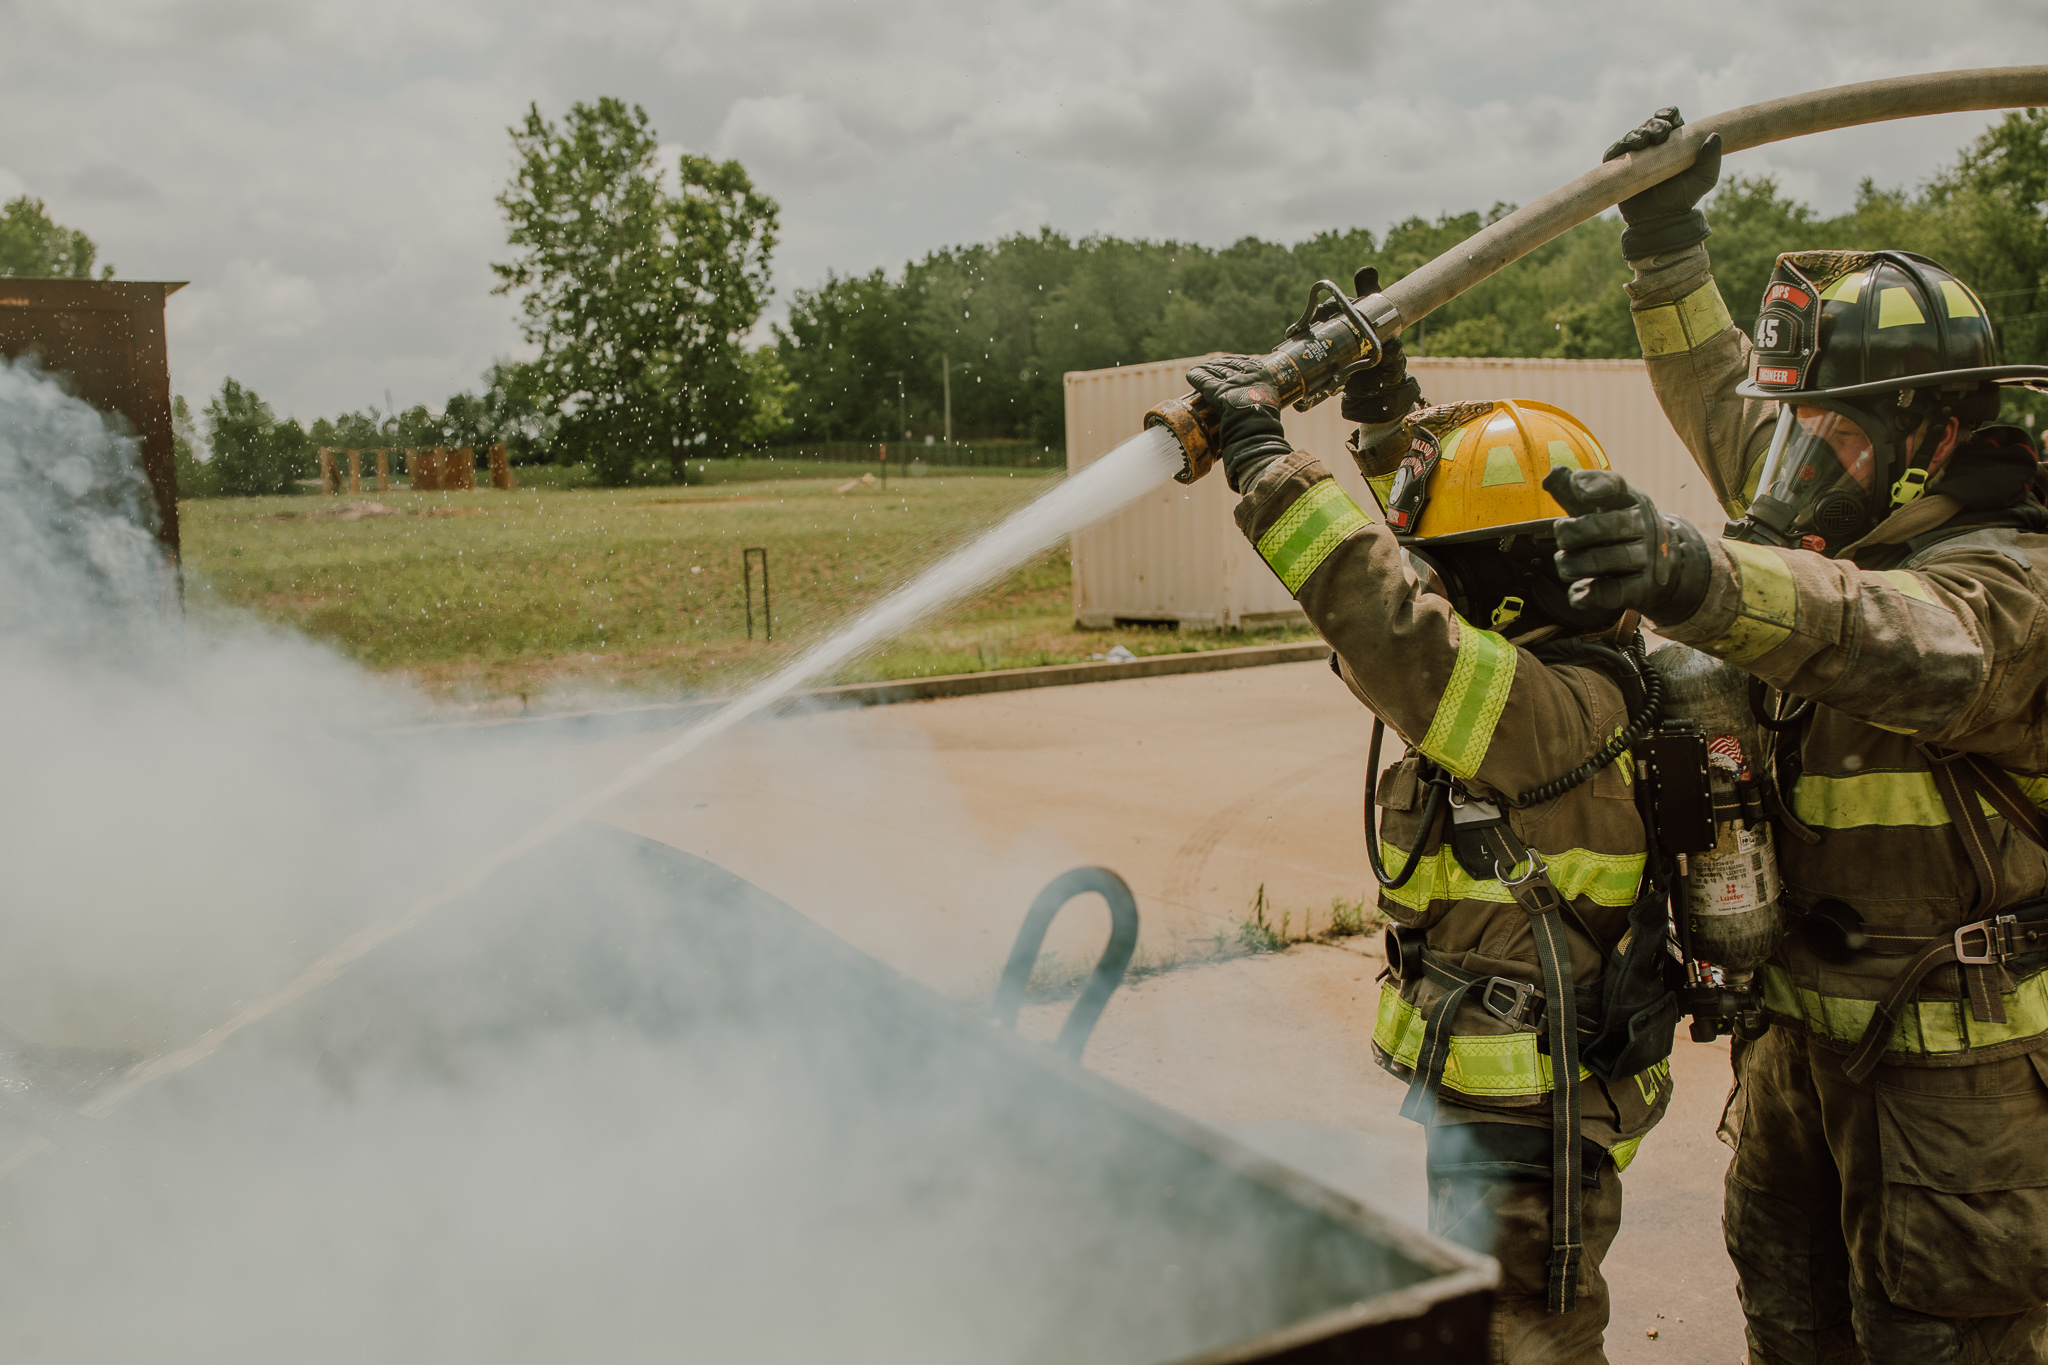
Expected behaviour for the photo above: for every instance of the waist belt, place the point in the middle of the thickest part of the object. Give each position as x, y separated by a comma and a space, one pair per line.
1979, 949
1984, 945
1520, 1004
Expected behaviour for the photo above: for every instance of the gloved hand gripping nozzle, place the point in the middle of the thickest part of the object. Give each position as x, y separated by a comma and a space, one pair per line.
1333, 336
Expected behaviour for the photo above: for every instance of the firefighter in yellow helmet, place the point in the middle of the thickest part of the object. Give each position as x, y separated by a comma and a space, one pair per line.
1509, 842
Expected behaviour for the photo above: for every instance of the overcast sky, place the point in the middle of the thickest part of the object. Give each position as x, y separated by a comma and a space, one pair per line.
323, 173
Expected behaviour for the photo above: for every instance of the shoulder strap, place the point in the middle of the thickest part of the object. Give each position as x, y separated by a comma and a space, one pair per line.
1996, 786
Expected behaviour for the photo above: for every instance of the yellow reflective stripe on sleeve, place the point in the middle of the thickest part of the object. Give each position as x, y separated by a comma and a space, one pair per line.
1297, 544
1675, 328
1611, 879
1768, 609
1462, 729
1910, 584
1660, 332
1925, 1027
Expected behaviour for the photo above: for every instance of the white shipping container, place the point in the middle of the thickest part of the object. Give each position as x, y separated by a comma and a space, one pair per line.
1177, 555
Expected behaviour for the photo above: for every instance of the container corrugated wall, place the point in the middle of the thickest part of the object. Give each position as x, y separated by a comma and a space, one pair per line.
1176, 555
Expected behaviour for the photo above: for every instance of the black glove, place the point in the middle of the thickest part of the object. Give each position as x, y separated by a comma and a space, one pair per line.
1382, 393
1618, 553
1240, 390
1666, 216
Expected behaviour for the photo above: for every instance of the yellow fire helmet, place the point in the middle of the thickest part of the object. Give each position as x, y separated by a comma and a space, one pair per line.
1466, 497
1475, 471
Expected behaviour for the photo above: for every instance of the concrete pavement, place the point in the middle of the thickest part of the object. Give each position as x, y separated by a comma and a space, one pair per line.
921, 832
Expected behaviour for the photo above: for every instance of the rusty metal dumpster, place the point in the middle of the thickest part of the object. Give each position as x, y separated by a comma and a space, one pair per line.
619, 1105
106, 337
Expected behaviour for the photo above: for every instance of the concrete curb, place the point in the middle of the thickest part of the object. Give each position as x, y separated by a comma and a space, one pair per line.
665, 715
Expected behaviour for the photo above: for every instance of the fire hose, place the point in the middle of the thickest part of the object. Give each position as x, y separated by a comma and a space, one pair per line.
1335, 336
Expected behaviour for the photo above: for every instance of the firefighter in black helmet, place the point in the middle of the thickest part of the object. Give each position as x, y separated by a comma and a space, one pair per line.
1884, 580
1878, 362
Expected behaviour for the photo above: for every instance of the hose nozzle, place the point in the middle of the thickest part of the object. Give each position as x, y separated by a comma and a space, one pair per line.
1194, 426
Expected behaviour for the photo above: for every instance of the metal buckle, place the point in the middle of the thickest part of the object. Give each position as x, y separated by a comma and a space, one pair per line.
1520, 993
1997, 935
1505, 875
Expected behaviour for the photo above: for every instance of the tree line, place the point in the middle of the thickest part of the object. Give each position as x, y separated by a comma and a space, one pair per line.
1020, 312
638, 283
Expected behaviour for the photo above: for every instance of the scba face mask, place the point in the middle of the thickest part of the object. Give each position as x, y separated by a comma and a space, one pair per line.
1832, 473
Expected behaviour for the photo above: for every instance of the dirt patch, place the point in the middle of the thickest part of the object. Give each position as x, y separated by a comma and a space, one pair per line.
347, 511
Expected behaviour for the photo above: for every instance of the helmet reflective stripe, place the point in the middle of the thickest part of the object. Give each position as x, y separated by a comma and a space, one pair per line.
1895, 308
1960, 301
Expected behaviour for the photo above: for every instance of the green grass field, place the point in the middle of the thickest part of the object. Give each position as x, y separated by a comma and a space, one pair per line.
551, 595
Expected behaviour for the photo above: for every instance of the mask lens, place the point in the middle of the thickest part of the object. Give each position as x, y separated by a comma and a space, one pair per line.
1819, 478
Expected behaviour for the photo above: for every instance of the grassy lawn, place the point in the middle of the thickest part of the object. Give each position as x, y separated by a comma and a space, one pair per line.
563, 594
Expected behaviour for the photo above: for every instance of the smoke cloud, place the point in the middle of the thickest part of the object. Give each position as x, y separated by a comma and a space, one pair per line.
613, 1104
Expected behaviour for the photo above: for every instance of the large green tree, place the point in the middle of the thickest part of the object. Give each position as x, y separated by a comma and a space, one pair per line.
253, 453
636, 288
32, 244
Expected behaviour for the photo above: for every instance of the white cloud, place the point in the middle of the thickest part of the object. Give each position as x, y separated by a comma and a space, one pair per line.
355, 147
794, 135
247, 299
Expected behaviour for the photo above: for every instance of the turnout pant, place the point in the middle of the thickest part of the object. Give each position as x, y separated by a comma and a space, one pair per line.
1508, 1218
1903, 1219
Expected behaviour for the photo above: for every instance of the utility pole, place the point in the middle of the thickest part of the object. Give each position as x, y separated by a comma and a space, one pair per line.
902, 418
946, 382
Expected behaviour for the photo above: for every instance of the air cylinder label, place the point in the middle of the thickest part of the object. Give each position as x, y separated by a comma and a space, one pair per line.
1739, 876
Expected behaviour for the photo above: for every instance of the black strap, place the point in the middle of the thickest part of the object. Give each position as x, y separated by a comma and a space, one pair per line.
1958, 793
1420, 1102
1539, 897
1546, 906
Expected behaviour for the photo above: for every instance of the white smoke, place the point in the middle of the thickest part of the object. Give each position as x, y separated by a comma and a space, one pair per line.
589, 1107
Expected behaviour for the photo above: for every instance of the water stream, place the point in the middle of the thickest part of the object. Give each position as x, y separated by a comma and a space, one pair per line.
1137, 466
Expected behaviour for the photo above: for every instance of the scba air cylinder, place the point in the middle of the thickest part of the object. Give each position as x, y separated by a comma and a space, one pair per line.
1732, 893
